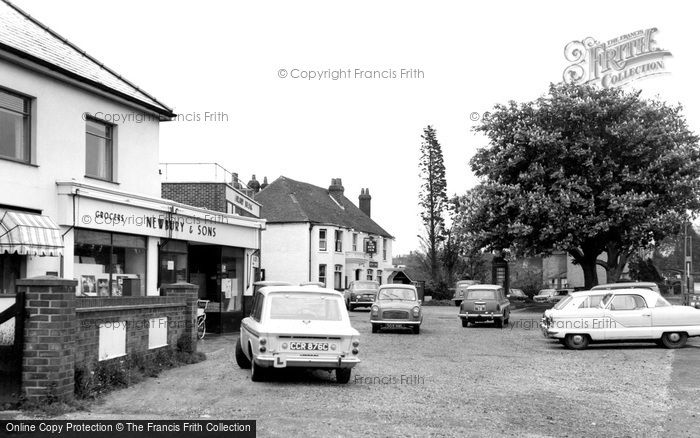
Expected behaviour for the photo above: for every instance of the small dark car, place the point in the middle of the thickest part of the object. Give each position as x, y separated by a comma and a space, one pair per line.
361, 293
484, 303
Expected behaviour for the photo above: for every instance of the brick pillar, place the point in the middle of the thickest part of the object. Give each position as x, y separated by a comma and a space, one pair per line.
48, 364
189, 292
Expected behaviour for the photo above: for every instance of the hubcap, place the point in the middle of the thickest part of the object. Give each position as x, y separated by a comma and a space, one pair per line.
674, 337
578, 339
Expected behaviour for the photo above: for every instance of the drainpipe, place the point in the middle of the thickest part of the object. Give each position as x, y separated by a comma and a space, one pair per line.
311, 227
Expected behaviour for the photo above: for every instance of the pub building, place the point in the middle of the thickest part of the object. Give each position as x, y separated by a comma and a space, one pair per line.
80, 188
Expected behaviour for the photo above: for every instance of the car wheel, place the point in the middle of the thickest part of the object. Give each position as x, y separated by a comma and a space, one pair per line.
241, 359
507, 319
416, 329
458, 302
674, 339
351, 307
347, 304
375, 328
499, 322
257, 373
576, 342
465, 322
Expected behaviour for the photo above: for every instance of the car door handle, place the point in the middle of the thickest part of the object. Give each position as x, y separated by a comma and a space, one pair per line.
646, 314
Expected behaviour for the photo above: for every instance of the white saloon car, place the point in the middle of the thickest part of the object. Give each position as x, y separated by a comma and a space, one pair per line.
622, 315
298, 326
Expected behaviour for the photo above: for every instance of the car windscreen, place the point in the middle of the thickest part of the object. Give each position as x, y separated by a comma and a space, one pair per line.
546, 292
397, 294
305, 306
481, 295
564, 302
365, 285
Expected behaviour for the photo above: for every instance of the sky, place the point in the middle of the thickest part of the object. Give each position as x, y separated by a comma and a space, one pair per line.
250, 65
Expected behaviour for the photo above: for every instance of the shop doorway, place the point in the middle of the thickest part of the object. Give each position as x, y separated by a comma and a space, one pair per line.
218, 271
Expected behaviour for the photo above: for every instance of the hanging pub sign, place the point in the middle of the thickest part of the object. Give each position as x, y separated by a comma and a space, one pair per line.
370, 246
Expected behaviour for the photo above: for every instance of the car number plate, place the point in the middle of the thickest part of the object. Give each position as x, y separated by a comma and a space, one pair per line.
480, 307
393, 326
309, 346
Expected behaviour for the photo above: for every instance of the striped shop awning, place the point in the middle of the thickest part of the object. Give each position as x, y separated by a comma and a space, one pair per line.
29, 234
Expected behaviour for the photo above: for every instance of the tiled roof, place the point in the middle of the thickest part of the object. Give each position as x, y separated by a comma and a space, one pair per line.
289, 201
26, 37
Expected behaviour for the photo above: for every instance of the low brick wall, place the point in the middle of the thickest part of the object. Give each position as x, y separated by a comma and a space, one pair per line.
62, 331
135, 313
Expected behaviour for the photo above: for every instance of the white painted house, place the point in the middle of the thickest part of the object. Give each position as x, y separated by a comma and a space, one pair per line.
80, 192
317, 234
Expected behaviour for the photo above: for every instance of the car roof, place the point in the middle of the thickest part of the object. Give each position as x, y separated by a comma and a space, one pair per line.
397, 286
271, 283
484, 286
631, 284
298, 289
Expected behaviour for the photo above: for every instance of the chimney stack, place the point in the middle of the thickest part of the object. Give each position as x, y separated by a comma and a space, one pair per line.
264, 183
254, 185
365, 202
336, 189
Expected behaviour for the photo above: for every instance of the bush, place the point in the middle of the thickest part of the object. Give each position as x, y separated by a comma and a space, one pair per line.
438, 290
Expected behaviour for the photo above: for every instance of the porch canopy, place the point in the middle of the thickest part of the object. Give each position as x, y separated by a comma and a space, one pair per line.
29, 234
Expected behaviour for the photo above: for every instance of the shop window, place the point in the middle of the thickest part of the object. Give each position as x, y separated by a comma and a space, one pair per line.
338, 277
15, 126
322, 274
354, 241
379, 276
9, 272
338, 241
370, 274
172, 262
99, 153
110, 264
322, 244
384, 242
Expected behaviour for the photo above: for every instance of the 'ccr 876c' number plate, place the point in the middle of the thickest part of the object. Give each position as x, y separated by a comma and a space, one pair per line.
309, 346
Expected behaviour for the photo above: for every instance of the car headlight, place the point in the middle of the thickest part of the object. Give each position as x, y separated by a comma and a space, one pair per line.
263, 341
355, 343
375, 310
416, 311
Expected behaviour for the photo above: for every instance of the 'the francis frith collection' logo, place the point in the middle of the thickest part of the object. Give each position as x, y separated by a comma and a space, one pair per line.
615, 62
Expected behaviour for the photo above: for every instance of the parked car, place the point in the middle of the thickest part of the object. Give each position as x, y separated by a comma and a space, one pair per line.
577, 300
624, 315
298, 326
484, 302
397, 305
544, 295
460, 289
627, 285
559, 295
516, 294
360, 293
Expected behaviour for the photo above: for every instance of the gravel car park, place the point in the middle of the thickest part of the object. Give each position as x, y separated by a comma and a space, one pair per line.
446, 382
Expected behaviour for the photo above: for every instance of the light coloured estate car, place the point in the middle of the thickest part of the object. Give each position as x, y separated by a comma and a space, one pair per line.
544, 295
622, 315
397, 305
298, 326
484, 302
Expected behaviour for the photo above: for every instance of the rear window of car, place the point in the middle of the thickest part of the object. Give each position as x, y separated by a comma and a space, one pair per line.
365, 285
305, 306
591, 301
397, 294
545, 292
564, 302
481, 295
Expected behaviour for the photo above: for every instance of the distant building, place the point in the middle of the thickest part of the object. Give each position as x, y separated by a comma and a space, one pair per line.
317, 234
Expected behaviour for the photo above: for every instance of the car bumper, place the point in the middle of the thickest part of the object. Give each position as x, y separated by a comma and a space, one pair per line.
488, 316
395, 321
298, 361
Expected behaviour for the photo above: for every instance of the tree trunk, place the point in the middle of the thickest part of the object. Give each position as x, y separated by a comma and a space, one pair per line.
587, 260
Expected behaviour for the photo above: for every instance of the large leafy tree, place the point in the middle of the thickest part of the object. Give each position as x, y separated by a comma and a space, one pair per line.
586, 170
432, 197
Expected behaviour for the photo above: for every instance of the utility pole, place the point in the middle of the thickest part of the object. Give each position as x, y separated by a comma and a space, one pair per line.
687, 286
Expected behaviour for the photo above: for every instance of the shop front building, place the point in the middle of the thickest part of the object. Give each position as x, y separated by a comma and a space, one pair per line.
80, 191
